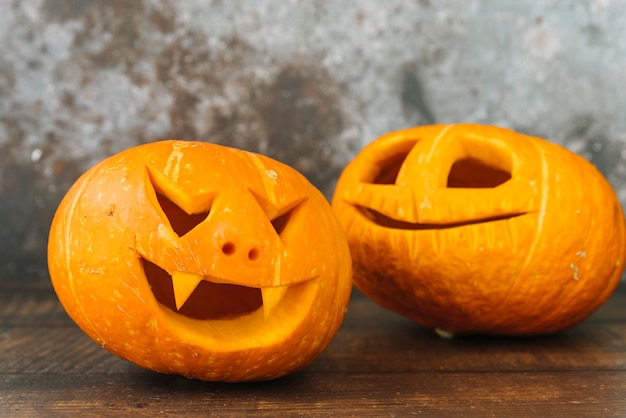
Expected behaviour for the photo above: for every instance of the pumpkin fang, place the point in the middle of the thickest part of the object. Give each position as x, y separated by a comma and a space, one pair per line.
271, 298
184, 284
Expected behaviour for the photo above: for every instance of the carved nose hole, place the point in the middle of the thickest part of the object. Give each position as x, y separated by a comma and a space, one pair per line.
253, 254
228, 248
473, 173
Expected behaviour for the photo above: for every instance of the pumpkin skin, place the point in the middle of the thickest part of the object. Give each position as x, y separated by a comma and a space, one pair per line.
471, 229
201, 260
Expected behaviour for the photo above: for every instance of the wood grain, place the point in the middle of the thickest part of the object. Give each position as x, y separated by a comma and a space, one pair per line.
379, 364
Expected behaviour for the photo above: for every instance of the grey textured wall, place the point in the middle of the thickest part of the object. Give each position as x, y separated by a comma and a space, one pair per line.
306, 82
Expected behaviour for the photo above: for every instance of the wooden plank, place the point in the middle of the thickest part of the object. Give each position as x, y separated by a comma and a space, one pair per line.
365, 314
54, 350
40, 337
31, 305
36, 302
310, 394
594, 347
379, 364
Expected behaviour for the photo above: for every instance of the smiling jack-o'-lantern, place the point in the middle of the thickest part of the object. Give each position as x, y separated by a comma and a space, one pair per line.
201, 260
477, 229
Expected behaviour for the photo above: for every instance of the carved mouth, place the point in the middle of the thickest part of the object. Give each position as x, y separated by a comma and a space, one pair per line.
198, 297
387, 222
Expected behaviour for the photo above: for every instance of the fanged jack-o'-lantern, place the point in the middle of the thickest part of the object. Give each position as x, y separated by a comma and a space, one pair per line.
201, 260
478, 229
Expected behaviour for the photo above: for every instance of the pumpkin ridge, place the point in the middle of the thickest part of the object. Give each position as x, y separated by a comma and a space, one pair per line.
436, 140
67, 239
175, 158
545, 188
268, 177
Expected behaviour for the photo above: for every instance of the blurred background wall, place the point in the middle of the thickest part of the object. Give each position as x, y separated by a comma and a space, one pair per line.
306, 82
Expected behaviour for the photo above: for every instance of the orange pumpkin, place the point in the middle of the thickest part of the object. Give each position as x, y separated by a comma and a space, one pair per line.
201, 260
478, 229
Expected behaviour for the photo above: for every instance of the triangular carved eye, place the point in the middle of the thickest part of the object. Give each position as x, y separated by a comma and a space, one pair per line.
279, 217
180, 221
284, 220
280, 222
182, 211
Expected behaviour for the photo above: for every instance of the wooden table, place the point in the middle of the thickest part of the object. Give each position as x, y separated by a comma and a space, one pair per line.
379, 364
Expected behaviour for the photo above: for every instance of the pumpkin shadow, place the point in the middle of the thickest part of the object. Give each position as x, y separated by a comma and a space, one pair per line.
375, 340
173, 384
574, 349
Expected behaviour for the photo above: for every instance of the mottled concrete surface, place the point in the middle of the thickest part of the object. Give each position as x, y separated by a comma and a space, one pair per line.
306, 82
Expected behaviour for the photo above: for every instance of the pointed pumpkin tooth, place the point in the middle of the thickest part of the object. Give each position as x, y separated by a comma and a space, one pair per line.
184, 284
271, 298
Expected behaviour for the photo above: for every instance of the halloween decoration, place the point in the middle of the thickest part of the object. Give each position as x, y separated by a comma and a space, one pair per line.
201, 260
478, 229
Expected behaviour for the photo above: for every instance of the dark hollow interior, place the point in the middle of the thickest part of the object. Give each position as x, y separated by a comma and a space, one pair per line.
388, 222
390, 169
208, 301
465, 173
469, 173
180, 221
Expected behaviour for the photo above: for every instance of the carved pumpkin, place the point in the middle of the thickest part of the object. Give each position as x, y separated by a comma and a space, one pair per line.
201, 260
478, 229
